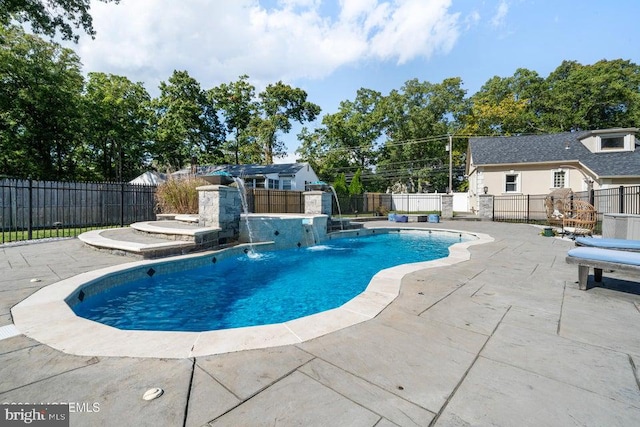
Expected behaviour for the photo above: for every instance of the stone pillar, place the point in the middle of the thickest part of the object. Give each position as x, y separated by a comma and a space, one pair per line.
219, 206
447, 206
485, 209
317, 202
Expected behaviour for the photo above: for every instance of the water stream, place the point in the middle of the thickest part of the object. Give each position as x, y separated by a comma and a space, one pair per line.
245, 210
335, 195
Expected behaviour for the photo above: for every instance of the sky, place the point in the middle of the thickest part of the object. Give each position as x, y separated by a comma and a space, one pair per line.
332, 48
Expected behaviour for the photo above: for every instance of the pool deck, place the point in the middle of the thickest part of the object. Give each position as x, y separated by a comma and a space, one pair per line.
505, 338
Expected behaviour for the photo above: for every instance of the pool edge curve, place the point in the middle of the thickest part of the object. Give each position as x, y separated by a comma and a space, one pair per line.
45, 317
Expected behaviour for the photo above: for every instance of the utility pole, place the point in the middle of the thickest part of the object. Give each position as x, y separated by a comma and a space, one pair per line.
450, 149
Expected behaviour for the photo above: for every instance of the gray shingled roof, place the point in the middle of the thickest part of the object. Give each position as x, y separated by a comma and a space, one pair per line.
552, 148
257, 170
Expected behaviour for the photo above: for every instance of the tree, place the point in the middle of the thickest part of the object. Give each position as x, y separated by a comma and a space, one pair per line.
356, 128
117, 118
186, 127
280, 104
50, 16
340, 185
599, 96
323, 153
356, 187
506, 106
418, 119
236, 104
40, 107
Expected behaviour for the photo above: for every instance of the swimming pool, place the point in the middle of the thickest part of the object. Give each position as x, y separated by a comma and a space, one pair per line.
269, 288
47, 316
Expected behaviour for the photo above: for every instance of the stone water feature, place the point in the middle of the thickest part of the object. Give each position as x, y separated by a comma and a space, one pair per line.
225, 207
219, 222
219, 206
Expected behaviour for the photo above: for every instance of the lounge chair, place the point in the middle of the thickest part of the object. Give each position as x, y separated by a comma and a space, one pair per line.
618, 244
600, 259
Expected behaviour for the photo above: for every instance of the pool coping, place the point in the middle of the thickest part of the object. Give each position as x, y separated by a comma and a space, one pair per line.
47, 318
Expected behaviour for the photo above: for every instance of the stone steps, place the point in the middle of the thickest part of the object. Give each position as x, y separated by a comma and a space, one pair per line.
154, 239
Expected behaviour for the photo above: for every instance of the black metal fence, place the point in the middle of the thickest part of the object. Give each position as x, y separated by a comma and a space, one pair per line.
32, 209
530, 208
519, 208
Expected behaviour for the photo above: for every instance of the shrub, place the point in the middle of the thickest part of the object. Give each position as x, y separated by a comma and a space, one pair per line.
179, 196
340, 185
382, 210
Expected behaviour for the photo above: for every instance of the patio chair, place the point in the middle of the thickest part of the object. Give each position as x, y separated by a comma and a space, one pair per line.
554, 205
579, 218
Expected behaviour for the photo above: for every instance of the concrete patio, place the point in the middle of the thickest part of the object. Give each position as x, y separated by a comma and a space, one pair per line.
503, 339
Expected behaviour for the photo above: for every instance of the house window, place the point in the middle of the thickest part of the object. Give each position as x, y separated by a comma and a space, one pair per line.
559, 179
273, 184
612, 143
286, 184
511, 183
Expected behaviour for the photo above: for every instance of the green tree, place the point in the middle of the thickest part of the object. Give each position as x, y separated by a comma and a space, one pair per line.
355, 186
40, 106
347, 140
506, 106
186, 127
599, 96
356, 127
117, 117
323, 153
279, 106
340, 185
418, 119
236, 103
50, 16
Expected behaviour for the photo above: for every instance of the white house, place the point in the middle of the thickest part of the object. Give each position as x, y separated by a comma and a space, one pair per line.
285, 176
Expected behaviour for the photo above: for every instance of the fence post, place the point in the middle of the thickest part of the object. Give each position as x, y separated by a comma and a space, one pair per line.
486, 207
268, 200
621, 199
30, 224
122, 204
528, 208
446, 210
592, 197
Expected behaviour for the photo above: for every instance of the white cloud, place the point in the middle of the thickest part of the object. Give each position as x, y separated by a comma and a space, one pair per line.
472, 19
416, 28
217, 41
499, 18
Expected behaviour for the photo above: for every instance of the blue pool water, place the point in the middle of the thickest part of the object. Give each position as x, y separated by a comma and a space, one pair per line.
272, 287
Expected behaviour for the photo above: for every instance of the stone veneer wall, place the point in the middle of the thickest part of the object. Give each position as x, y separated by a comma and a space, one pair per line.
485, 209
286, 231
317, 202
220, 206
447, 206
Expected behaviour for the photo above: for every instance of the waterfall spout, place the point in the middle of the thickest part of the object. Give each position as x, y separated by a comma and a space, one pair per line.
335, 195
245, 210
